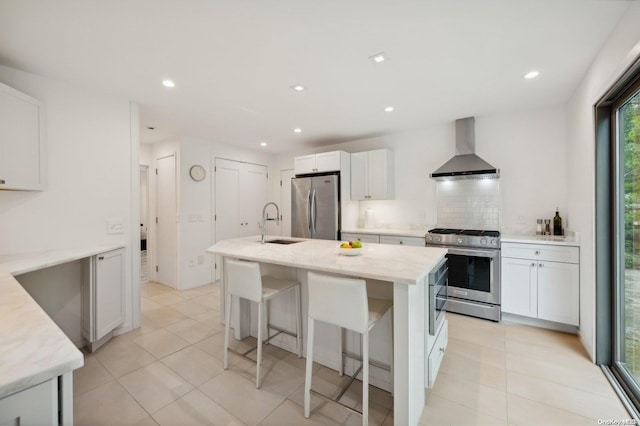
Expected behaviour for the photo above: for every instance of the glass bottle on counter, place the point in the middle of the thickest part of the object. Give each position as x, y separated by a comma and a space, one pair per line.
557, 224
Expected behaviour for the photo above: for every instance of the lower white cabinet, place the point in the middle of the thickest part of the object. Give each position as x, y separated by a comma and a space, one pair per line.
436, 347
402, 241
37, 405
103, 295
534, 285
365, 238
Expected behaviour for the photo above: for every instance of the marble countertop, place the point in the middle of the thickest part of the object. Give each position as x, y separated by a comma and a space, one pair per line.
401, 232
32, 347
405, 264
541, 239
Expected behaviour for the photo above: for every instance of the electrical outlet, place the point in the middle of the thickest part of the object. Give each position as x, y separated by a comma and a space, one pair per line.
522, 219
200, 260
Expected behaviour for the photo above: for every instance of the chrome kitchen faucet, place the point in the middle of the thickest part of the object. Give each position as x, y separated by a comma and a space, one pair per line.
265, 218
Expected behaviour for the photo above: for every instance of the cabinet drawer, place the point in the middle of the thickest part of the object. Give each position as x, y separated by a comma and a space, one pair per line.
551, 253
407, 241
437, 354
365, 238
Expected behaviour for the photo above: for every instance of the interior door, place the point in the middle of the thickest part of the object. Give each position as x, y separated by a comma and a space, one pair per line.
166, 222
240, 194
285, 202
253, 197
324, 209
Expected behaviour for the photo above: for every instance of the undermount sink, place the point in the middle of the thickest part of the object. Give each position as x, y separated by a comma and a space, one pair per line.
283, 241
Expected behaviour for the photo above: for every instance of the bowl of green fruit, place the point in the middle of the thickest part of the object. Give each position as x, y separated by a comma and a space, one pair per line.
350, 248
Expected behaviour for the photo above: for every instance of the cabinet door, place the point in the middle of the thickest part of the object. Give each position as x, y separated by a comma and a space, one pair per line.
379, 172
328, 161
359, 176
109, 292
559, 292
519, 287
37, 405
21, 141
304, 164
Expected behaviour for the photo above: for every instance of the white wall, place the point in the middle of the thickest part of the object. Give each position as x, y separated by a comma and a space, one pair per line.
528, 147
90, 153
616, 54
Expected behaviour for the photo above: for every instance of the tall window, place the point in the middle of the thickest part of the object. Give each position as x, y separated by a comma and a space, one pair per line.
625, 122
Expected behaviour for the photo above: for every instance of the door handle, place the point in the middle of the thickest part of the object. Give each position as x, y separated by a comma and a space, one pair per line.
309, 211
313, 211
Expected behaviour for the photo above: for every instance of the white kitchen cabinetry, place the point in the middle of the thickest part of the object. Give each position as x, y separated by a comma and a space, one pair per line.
365, 238
103, 296
398, 240
22, 160
436, 348
37, 405
318, 163
541, 281
372, 175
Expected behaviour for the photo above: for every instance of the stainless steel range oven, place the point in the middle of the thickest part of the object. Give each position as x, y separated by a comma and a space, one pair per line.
474, 270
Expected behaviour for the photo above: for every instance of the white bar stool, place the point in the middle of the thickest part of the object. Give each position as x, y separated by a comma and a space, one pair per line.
244, 280
342, 302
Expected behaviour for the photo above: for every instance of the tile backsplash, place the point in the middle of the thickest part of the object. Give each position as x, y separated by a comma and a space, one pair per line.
469, 204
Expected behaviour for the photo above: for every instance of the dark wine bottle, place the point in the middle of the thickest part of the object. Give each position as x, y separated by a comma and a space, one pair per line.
557, 224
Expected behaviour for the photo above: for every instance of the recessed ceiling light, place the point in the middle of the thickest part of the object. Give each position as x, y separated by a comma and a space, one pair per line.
531, 74
298, 87
168, 83
378, 58
263, 144
388, 109
297, 130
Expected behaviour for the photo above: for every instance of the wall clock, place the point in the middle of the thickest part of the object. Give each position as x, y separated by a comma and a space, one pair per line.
197, 173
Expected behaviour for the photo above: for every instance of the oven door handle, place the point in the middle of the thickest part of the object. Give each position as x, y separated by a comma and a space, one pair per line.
491, 254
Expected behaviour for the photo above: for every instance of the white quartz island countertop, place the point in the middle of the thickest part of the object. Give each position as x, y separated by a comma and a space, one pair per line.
32, 347
402, 264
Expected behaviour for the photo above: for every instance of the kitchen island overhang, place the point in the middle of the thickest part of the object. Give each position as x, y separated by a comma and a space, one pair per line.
404, 268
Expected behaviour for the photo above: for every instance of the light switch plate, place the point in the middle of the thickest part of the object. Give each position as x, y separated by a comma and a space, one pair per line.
115, 227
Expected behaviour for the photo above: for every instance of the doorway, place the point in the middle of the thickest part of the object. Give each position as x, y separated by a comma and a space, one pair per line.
144, 222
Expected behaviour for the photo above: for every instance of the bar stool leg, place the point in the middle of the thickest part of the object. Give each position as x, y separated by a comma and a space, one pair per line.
365, 378
261, 314
227, 327
341, 352
298, 322
307, 378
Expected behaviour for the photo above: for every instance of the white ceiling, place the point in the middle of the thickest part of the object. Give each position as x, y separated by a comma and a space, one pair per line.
234, 60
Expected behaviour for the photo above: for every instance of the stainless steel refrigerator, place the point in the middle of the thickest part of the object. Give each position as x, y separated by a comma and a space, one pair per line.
315, 207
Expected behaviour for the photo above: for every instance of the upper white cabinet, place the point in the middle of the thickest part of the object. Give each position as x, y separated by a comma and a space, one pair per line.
318, 163
22, 160
103, 295
372, 175
541, 281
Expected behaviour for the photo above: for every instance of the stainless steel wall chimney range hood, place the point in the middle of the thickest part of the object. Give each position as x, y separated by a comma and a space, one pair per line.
465, 164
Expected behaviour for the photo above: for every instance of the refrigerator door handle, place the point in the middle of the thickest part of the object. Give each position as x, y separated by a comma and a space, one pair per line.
309, 211
314, 212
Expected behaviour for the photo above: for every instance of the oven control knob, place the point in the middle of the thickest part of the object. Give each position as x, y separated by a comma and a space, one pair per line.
459, 240
493, 242
438, 239
429, 238
483, 241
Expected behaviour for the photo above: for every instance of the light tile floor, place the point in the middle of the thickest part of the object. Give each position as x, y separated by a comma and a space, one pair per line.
169, 372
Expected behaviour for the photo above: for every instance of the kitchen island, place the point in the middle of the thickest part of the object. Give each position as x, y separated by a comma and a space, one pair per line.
403, 270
